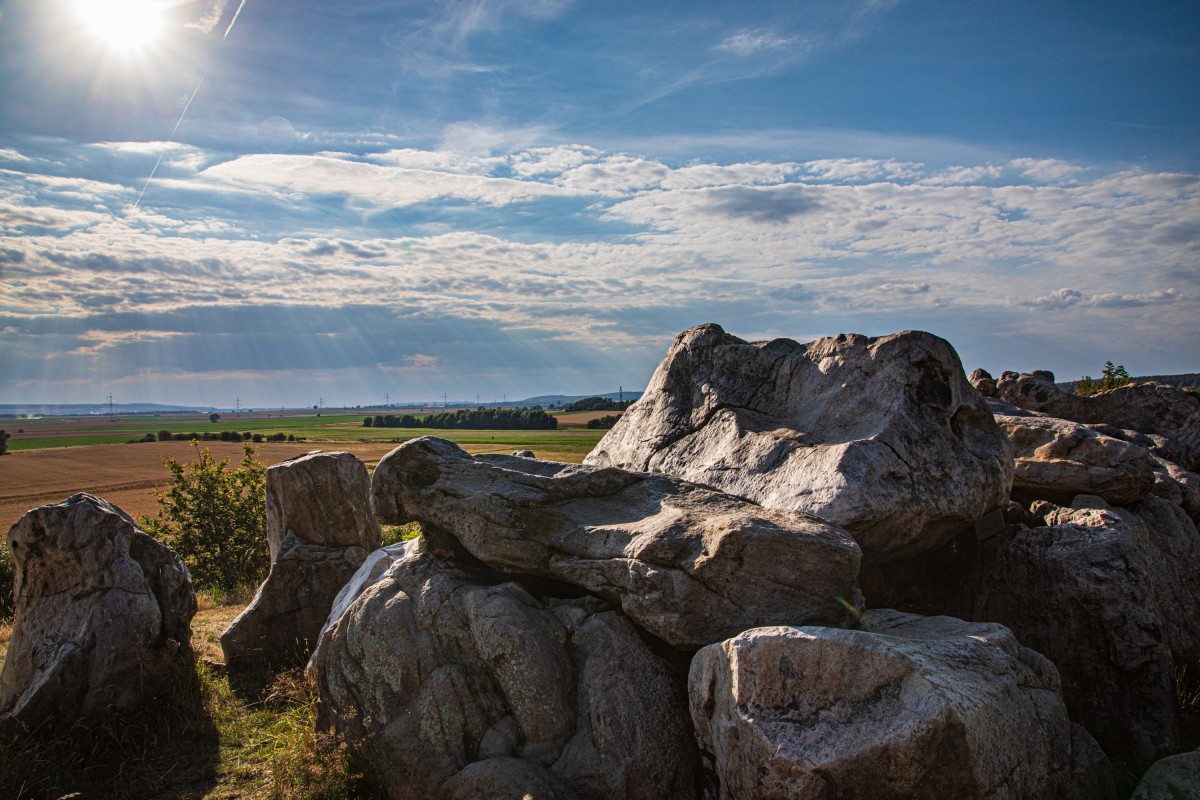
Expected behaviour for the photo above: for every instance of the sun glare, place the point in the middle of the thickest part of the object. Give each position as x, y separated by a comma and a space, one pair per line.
122, 25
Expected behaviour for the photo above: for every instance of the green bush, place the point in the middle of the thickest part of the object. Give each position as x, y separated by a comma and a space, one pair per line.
215, 519
603, 423
1110, 378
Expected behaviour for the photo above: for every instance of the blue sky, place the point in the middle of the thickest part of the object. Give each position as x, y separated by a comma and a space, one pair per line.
507, 198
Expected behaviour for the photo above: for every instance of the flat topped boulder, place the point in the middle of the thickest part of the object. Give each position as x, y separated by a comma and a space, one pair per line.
883, 436
103, 616
687, 563
323, 498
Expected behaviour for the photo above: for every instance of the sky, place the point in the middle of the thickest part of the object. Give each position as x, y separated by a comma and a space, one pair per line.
273, 203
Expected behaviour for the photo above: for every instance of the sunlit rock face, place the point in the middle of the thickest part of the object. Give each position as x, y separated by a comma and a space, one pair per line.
883, 436
688, 564
103, 616
904, 706
455, 683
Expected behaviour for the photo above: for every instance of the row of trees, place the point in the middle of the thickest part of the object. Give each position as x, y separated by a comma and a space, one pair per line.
1110, 378
603, 423
223, 436
598, 404
498, 419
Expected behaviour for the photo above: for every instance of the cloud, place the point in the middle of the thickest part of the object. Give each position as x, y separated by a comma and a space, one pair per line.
773, 205
747, 43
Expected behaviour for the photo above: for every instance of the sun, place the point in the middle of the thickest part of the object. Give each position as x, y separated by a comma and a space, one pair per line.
123, 26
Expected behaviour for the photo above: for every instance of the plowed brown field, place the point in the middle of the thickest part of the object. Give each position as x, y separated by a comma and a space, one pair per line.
127, 475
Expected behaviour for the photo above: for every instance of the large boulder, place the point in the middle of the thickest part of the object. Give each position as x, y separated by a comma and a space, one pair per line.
905, 706
324, 499
1093, 589
320, 529
1174, 778
1147, 407
103, 617
883, 436
689, 564
455, 685
1056, 459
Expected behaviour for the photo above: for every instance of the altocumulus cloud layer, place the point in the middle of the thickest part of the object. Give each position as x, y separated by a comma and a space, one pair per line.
540, 266
514, 197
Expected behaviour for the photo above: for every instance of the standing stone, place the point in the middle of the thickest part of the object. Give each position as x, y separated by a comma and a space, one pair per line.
323, 499
103, 618
904, 707
689, 564
456, 685
1174, 778
882, 436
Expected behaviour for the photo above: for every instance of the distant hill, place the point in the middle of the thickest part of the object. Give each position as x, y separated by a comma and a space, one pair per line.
1186, 379
86, 409
546, 400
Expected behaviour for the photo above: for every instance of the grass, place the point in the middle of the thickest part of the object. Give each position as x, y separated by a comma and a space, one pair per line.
207, 743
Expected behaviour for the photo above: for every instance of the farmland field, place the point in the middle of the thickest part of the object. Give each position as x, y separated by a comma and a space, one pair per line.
51, 459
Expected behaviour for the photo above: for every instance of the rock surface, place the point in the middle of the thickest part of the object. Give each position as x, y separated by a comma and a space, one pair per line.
1056, 459
455, 686
689, 564
103, 617
320, 528
323, 498
906, 706
883, 436
1174, 778
1082, 590
279, 629
1149, 408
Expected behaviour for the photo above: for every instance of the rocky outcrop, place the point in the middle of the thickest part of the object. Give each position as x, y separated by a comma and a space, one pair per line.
688, 564
1056, 459
905, 706
883, 436
324, 499
454, 684
1086, 590
1173, 778
1176, 484
103, 616
320, 528
1149, 408
983, 382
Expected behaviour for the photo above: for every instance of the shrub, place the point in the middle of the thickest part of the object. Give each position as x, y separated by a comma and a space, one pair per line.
165, 435
1111, 378
603, 423
216, 519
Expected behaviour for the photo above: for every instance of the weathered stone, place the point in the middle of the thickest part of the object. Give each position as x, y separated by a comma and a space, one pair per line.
689, 564
906, 706
1170, 544
1176, 484
883, 436
1056, 459
1081, 591
983, 382
320, 528
279, 629
441, 676
324, 498
1148, 407
103, 616
1173, 778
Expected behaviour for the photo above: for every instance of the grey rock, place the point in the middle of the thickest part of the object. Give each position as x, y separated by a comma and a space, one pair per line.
1082, 591
1147, 407
1173, 778
906, 706
883, 436
320, 528
324, 498
1178, 485
441, 677
279, 629
983, 382
1056, 459
689, 564
103, 617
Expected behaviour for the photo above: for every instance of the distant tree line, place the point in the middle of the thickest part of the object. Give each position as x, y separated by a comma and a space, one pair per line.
222, 436
603, 423
598, 404
499, 419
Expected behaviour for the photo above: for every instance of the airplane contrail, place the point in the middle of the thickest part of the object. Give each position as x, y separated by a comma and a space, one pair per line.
183, 113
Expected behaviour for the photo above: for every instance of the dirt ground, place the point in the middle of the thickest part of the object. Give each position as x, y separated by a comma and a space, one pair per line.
582, 418
127, 475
